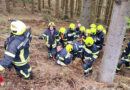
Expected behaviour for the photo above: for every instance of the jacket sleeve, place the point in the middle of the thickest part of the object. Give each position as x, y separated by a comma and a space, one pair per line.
8, 56
126, 51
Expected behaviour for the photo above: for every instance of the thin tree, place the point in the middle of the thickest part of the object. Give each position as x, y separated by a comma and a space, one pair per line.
79, 7
43, 3
32, 6
14, 3
114, 41
86, 13
4, 9
66, 8
49, 3
57, 8
71, 8
39, 5
24, 5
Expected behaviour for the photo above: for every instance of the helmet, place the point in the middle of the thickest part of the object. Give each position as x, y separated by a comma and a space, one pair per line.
51, 24
104, 31
88, 31
72, 26
99, 28
17, 27
92, 26
62, 30
89, 41
82, 28
69, 47
93, 31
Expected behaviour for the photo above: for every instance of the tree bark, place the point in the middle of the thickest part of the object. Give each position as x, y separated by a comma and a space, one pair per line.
4, 9
32, 6
24, 5
39, 5
66, 7
14, 3
79, 7
57, 8
71, 8
43, 3
86, 13
49, 3
114, 42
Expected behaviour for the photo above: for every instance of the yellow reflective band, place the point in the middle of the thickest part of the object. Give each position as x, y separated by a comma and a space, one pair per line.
22, 55
24, 74
61, 63
87, 50
47, 41
61, 58
10, 54
128, 67
30, 69
96, 52
86, 70
118, 68
1, 68
95, 56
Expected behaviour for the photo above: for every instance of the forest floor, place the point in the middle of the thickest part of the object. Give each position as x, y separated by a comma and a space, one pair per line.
47, 75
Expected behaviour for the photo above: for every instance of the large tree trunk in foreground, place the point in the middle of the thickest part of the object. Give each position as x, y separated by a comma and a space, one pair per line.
86, 13
114, 42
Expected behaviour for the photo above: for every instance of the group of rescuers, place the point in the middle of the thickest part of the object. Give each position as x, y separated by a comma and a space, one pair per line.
63, 46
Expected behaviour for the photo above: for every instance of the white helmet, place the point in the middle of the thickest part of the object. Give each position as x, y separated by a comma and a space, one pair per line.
17, 27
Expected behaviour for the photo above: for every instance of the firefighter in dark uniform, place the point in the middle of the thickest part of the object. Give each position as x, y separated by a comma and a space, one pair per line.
17, 50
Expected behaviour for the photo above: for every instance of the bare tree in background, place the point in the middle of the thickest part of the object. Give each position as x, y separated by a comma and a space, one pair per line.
14, 3
32, 6
66, 8
71, 8
5, 6
24, 5
86, 13
114, 41
39, 5
57, 8
79, 7
43, 3
49, 3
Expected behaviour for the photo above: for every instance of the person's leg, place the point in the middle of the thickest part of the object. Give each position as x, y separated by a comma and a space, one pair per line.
24, 71
119, 66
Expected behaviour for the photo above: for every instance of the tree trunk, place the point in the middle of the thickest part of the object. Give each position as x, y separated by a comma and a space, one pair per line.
43, 3
49, 3
66, 8
114, 42
14, 3
79, 7
24, 5
86, 13
71, 8
103, 11
57, 8
39, 5
32, 6
4, 9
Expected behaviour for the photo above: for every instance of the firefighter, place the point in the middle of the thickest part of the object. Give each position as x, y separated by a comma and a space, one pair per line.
92, 26
78, 30
81, 34
125, 58
51, 35
99, 37
17, 50
71, 33
90, 53
63, 36
64, 57
93, 33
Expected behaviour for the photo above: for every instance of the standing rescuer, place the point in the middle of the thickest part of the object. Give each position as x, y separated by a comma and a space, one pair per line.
17, 50
63, 36
51, 35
